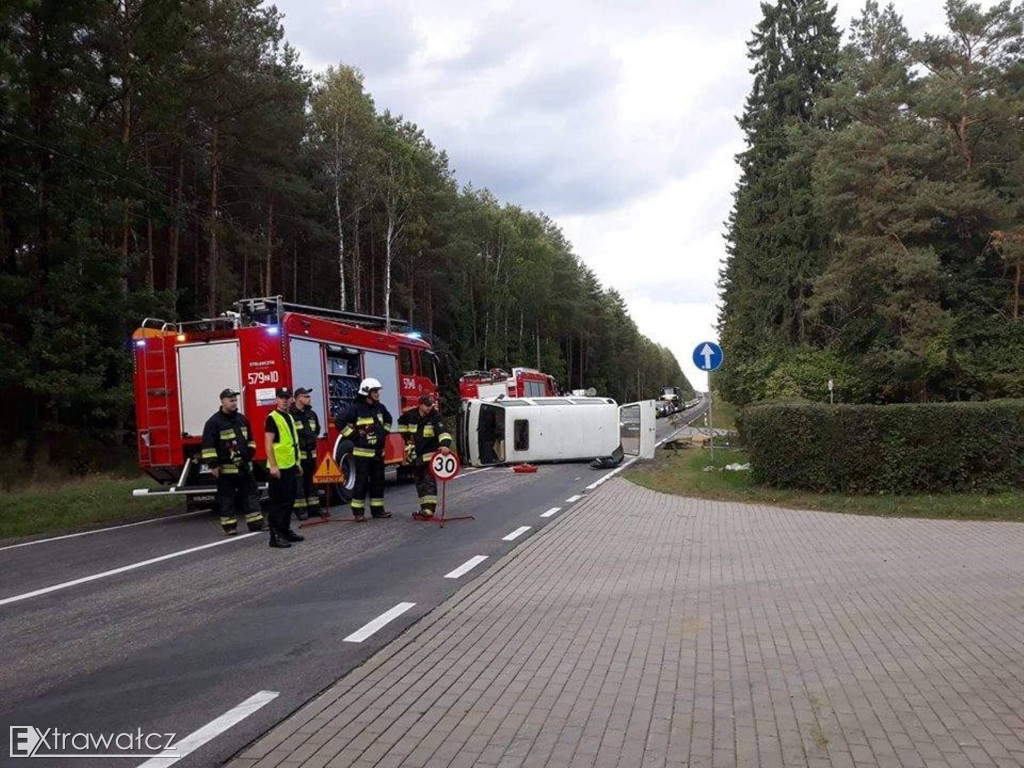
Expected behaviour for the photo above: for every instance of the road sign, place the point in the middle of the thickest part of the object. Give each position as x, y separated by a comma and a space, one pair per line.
328, 472
444, 466
708, 356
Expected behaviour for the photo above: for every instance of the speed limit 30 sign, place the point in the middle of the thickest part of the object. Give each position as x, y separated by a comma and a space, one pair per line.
444, 466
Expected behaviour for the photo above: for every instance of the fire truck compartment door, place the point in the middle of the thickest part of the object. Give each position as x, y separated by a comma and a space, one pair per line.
377, 365
637, 429
203, 371
308, 371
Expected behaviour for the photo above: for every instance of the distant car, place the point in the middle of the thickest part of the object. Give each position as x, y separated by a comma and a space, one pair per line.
662, 409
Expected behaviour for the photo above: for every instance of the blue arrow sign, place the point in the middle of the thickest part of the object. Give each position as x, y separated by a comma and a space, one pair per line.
708, 356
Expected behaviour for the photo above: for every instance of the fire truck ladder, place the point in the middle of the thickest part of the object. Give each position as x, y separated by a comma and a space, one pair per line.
158, 393
270, 309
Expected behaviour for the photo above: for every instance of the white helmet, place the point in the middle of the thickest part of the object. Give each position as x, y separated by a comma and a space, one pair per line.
367, 384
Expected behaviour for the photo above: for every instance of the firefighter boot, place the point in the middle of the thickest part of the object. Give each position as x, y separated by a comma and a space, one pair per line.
291, 535
423, 514
276, 542
230, 525
254, 521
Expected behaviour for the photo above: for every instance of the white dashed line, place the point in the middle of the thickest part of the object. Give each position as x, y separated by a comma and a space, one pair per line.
364, 632
551, 512
123, 569
210, 731
516, 533
571, 499
466, 567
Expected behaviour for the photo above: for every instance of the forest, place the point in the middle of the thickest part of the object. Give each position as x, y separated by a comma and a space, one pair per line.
877, 233
168, 157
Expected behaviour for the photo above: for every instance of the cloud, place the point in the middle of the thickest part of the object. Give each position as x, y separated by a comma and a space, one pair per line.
615, 117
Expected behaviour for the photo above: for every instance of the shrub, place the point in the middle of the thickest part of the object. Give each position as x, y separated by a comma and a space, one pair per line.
886, 448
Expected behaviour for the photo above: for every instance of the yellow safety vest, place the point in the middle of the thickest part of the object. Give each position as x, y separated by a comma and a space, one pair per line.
287, 439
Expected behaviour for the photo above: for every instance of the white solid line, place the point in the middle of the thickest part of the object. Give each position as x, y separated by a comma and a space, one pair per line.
571, 499
466, 567
103, 530
122, 569
361, 634
516, 533
211, 730
551, 512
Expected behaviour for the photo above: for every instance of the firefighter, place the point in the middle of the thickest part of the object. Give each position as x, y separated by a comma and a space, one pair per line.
307, 425
424, 436
228, 449
367, 423
282, 443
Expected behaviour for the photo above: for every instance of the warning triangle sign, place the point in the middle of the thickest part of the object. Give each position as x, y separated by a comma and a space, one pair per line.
328, 472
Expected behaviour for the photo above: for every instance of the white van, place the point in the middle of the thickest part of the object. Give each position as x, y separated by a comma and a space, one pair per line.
535, 429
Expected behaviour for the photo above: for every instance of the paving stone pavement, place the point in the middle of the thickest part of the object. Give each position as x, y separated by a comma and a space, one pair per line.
650, 630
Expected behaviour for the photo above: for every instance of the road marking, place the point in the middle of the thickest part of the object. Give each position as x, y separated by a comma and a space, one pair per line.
610, 475
123, 569
364, 632
571, 499
466, 567
211, 730
471, 472
551, 512
102, 530
516, 533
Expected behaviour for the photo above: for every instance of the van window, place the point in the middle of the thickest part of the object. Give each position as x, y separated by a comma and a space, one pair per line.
405, 360
521, 430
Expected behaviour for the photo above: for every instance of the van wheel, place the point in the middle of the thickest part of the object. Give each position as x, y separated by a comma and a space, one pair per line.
343, 455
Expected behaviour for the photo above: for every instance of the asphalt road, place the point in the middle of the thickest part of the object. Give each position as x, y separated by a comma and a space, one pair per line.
169, 646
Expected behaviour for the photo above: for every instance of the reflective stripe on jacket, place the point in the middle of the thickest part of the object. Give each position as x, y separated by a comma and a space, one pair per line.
227, 442
367, 427
425, 434
307, 425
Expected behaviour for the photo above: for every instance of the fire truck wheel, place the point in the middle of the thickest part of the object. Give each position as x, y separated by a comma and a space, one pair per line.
343, 455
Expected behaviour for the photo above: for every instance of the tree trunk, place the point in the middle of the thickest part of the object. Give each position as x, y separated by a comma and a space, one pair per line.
1016, 291
268, 286
174, 247
342, 298
387, 273
214, 261
357, 272
538, 343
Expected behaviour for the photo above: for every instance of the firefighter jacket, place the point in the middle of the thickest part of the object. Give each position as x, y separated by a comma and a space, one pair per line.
367, 427
228, 442
423, 435
307, 426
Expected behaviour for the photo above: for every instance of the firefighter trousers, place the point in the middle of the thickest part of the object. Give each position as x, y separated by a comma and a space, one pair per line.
307, 500
237, 495
369, 478
282, 499
426, 487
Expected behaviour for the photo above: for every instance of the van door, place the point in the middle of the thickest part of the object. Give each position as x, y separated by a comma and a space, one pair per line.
637, 429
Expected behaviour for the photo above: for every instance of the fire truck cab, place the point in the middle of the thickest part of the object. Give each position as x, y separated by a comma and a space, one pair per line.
522, 382
265, 343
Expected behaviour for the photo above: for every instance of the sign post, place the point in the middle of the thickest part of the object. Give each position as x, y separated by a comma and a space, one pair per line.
328, 473
444, 467
831, 386
708, 357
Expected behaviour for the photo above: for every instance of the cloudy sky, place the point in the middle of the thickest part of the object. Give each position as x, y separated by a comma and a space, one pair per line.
614, 117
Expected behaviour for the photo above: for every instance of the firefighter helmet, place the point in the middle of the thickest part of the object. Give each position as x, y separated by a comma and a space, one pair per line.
367, 384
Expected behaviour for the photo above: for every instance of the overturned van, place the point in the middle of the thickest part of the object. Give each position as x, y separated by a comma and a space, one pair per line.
539, 429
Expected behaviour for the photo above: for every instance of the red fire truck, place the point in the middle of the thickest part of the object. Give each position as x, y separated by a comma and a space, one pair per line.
522, 382
265, 343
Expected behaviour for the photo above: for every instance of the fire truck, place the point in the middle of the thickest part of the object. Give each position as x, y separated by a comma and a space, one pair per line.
522, 382
265, 343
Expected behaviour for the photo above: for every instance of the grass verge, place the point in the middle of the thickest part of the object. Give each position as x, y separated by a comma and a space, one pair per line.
79, 505
683, 474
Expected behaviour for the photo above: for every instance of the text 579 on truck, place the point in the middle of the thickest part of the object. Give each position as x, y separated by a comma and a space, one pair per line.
266, 343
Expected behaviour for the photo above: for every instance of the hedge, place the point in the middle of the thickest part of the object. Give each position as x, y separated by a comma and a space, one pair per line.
977, 446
